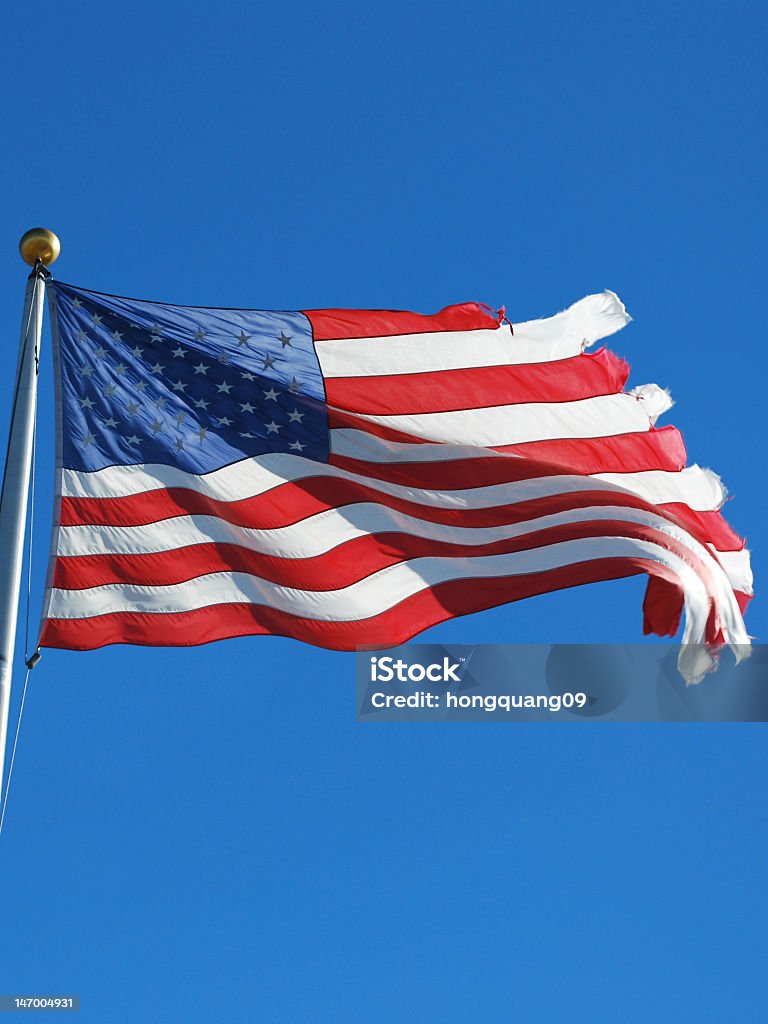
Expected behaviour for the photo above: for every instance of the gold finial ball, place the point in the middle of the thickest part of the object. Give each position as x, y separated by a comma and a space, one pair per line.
39, 244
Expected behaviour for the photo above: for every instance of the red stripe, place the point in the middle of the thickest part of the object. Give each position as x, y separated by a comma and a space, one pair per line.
564, 380
332, 324
663, 606
630, 453
340, 567
661, 448
395, 626
478, 472
340, 420
712, 526
623, 453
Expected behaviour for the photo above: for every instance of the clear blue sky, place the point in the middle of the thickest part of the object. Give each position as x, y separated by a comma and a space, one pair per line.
207, 834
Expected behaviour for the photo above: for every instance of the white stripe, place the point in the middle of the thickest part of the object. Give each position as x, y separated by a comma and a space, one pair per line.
538, 341
422, 353
699, 488
367, 447
738, 568
581, 325
603, 416
656, 400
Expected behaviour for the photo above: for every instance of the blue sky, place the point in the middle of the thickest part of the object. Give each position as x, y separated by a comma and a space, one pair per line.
207, 834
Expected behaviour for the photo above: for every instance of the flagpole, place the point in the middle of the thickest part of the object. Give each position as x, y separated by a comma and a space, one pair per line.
39, 247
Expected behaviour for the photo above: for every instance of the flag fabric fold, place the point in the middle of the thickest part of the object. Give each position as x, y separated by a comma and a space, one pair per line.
351, 477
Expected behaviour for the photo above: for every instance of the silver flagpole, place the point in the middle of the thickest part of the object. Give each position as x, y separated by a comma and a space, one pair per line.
38, 247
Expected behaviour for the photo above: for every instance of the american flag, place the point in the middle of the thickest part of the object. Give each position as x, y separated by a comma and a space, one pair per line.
351, 477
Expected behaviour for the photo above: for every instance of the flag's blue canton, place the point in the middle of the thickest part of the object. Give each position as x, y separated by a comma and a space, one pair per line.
143, 382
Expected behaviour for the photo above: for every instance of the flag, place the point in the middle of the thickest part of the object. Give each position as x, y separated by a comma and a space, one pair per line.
349, 478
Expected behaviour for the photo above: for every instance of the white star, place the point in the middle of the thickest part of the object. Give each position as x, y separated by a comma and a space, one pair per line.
110, 389
224, 422
247, 376
202, 432
160, 402
297, 446
271, 395
285, 339
199, 334
141, 386
132, 408
155, 330
133, 439
226, 388
157, 426
76, 303
202, 368
86, 371
99, 352
137, 352
117, 335
223, 357
201, 404
296, 416
246, 435
243, 339
272, 428
88, 439
179, 352
111, 422
294, 386
247, 407
120, 369
97, 319
179, 386
81, 335
157, 368
85, 403
179, 444
179, 418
